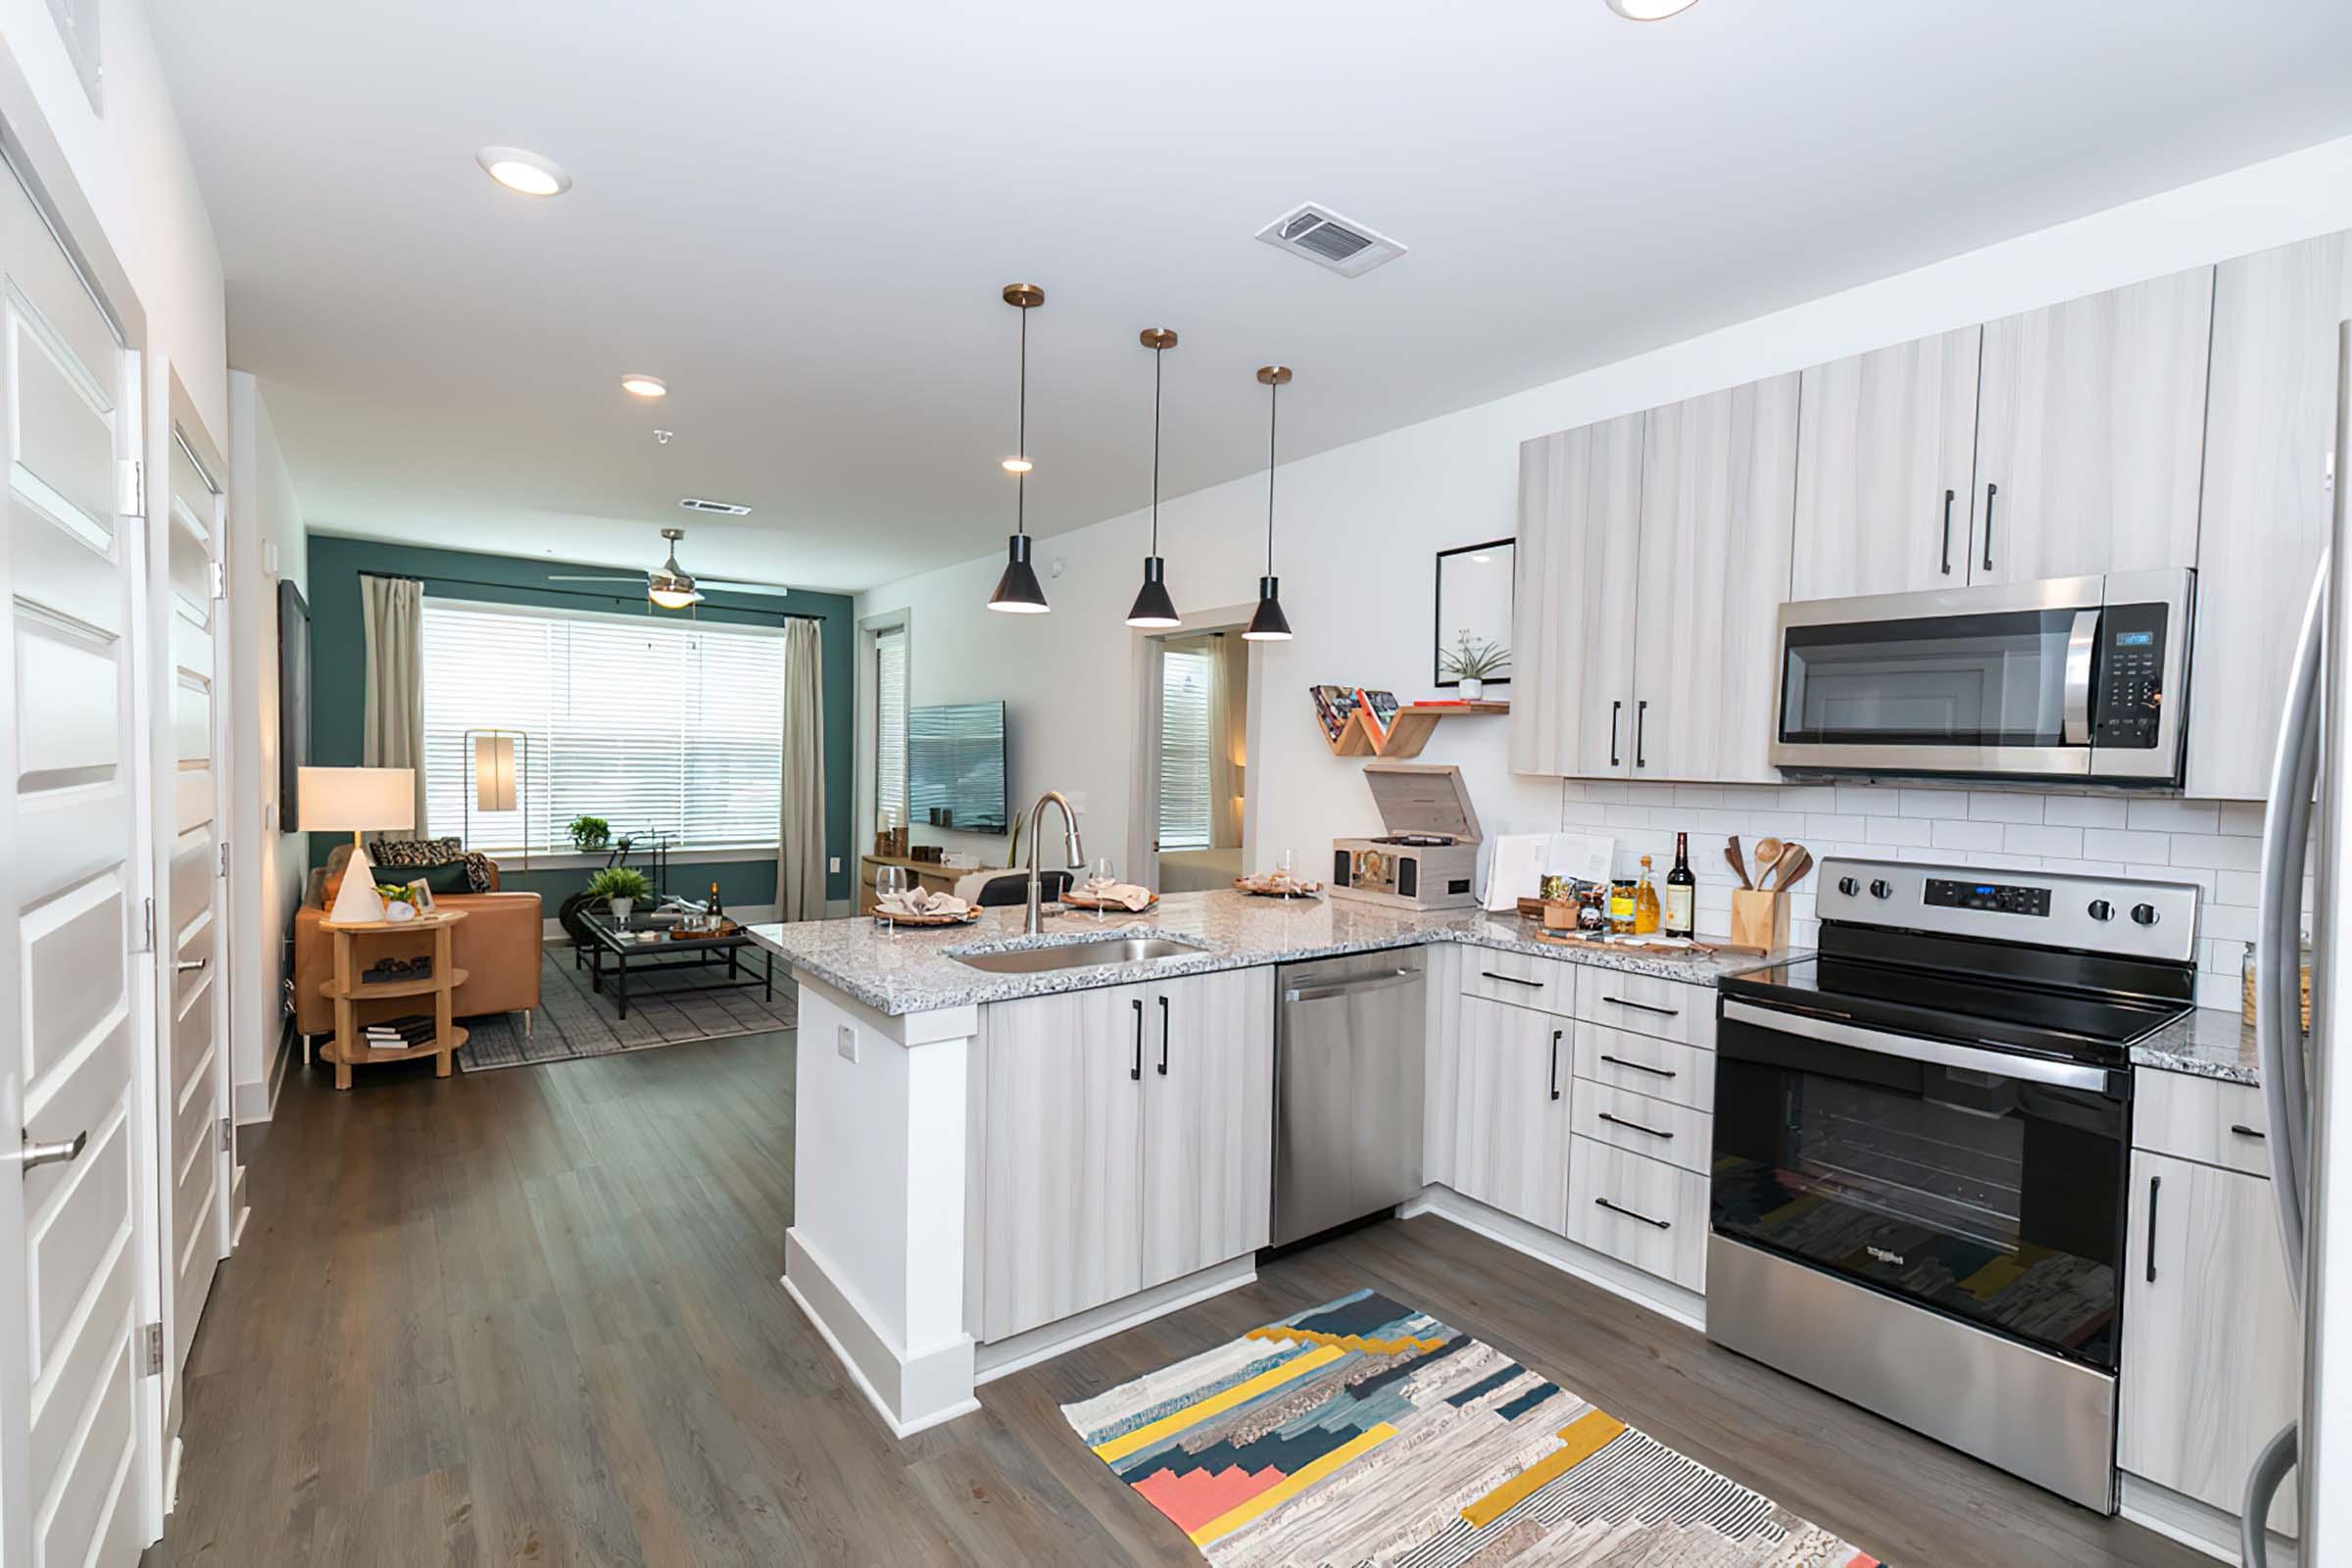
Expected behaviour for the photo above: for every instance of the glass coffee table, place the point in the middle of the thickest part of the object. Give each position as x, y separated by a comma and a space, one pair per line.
619, 948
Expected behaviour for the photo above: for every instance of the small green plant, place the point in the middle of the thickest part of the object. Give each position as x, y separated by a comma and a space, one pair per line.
590, 832
396, 892
619, 882
1474, 660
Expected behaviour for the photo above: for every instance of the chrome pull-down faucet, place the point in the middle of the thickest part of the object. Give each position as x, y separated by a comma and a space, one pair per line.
1037, 822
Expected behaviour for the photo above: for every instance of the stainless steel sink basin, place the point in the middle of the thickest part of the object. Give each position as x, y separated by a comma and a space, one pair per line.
1086, 955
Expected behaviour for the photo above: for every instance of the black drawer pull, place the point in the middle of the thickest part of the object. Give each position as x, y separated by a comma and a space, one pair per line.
2155, 1186
1991, 491
1163, 1036
1640, 1066
1661, 1224
1556, 1062
1512, 980
1645, 1007
1947, 532
2243, 1131
1135, 1072
1620, 1121
1615, 710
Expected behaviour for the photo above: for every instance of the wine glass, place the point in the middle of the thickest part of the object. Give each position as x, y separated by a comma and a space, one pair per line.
890, 882
1105, 873
1286, 872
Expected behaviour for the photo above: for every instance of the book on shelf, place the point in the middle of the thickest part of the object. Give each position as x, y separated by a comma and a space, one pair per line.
396, 1034
1333, 705
1379, 709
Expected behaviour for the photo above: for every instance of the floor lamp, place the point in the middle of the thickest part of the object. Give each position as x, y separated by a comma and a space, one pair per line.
501, 756
356, 800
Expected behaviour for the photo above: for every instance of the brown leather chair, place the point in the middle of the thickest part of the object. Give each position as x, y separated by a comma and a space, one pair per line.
498, 945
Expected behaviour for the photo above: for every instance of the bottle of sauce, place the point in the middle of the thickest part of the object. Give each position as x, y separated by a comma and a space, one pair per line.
1620, 907
1645, 902
1682, 891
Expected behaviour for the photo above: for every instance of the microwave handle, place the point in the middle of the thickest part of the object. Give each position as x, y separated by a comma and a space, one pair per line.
2081, 659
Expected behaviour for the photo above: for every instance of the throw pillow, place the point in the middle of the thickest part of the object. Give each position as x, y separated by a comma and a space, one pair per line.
449, 876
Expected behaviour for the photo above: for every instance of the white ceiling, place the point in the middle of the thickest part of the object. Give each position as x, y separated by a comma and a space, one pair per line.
801, 215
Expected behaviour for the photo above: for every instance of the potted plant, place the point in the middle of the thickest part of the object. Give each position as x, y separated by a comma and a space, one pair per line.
590, 832
621, 887
399, 904
1473, 664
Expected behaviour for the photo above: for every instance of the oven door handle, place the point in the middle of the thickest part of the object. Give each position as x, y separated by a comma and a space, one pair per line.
1937, 1052
2082, 658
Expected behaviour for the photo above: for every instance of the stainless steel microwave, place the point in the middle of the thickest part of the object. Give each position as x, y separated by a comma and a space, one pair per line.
2082, 679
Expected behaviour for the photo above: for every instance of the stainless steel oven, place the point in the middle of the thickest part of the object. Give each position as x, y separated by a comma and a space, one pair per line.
2067, 679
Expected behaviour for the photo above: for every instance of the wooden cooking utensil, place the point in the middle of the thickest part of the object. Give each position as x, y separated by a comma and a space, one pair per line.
1768, 853
1731, 855
1793, 864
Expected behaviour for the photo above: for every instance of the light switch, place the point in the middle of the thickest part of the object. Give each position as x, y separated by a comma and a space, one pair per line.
833, 864
845, 1041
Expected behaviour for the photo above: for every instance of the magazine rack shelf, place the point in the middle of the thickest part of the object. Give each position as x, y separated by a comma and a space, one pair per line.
1410, 728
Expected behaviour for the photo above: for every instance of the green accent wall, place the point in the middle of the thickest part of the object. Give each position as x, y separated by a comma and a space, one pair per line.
338, 685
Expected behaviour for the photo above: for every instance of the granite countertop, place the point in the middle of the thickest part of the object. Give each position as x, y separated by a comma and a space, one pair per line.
910, 970
2210, 1043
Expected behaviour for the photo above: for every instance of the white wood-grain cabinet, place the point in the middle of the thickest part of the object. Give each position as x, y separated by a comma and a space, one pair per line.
2270, 428
1886, 470
1579, 564
1208, 1121
2091, 433
2212, 1364
1513, 1071
1718, 493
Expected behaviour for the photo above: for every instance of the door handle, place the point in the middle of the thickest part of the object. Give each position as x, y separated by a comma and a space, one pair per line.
1620, 1121
2244, 1131
2155, 1185
1163, 1036
1555, 1063
2082, 653
1991, 491
1619, 1208
1947, 532
1135, 1072
1641, 733
185, 964
1655, 1072
1512, 979
34, 1155
1616, 711
1644, 1006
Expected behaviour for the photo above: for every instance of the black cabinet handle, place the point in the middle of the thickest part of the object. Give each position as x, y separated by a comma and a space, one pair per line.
1641, 733
1620, 1121
1163, 1037
1948, 533
1991, 491
1644, 1006
1135, 1072
2243, 1131
1512, 980
1555, 1063
2155, 1184
1616, 711
1614, 1208
1638, 1066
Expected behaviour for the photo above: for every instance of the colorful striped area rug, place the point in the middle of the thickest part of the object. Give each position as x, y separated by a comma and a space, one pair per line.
1362, 1431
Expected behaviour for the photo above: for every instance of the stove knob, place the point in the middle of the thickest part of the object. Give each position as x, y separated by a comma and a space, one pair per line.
1848, 886
2143, 915
2101, 909
1882, 889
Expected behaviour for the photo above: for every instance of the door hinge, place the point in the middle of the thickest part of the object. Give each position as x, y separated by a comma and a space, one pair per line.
131, 479
146, 926
229, 1136
151, 1335
219, 580
224, 857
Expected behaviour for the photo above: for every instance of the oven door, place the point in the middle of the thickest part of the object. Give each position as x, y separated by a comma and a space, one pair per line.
1981, 1184
1967, 680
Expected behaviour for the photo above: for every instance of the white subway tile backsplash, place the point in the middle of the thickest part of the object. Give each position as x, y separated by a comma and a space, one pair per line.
1831, 826
1626, 815
1950, 835
1931, 802
2230, 922
1752, 797
2034, 838
1698, 795
1989, 807
1860, 800
2082, 810
2241, 818
2220, 991
2175, 817
1643, 793
2236, 887
1809, 798
1897, 831
2212, 849
2121, 844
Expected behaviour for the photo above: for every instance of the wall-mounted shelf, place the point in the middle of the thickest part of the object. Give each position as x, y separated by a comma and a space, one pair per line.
1409, 732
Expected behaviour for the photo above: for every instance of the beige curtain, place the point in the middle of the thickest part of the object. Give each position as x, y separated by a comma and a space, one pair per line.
800, 848
392, 615
1228, 727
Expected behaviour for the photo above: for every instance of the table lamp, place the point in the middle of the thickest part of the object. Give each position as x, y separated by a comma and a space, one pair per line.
356, 800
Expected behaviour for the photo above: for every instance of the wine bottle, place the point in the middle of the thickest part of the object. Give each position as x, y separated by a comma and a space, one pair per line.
717, 911
1682, 890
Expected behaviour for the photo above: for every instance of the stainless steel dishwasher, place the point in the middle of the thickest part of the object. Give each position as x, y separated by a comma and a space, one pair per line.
1347, 1076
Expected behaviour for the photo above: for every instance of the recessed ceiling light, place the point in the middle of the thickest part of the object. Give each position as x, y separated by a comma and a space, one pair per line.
524, 173
648, 387
1650, 10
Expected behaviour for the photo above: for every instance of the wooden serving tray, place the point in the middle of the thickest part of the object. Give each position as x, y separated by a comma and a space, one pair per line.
1078, 901
967, 919
1656, 950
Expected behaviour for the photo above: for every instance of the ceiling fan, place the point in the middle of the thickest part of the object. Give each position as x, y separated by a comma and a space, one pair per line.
668, 585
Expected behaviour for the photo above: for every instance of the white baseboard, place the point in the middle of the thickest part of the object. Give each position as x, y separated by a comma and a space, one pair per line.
258, 1102
2179, 1517
909, 1390
1049, 1339
1686, 1308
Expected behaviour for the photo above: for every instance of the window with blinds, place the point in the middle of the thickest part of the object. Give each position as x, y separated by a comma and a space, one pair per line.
1184, 791
670, 726
889, 726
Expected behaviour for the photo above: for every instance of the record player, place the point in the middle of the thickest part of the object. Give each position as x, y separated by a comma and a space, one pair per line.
1428, 857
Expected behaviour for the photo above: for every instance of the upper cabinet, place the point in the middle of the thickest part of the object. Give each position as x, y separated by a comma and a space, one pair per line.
2269, 431
1718, 489
2091, 433
1885, 471
1579, 558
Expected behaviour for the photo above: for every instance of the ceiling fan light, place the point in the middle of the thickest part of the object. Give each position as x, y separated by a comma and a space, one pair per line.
1018, 592
1153, 606
1269, 624
674, 598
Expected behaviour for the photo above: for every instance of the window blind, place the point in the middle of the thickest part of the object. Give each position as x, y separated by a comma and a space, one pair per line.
664, 726
1184, 791
889, 726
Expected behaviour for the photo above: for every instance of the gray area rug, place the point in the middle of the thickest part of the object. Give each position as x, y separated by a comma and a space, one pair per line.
575, 1022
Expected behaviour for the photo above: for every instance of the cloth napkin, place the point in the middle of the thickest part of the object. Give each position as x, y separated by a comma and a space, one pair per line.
923, 903
1129, 894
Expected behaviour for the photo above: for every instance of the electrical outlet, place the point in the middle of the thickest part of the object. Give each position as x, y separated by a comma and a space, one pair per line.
845, 1041
833, 864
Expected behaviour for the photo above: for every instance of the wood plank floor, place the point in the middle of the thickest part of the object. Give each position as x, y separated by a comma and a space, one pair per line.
532, 1317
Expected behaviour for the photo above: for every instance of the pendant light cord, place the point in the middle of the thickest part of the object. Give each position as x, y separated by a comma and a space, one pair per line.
1273, 413
1156, 358
1020, 480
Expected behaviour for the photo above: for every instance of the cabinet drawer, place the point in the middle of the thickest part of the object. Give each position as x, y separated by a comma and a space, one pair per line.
1675, 1133
1662, 1069
1669, 1010
2204, 1119
1639, 1210
1521, 979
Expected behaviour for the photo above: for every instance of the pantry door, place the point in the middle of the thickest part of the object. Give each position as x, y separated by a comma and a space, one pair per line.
76, 1247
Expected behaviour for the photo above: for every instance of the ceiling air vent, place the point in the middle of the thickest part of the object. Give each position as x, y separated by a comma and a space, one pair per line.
1325, 238
725, 509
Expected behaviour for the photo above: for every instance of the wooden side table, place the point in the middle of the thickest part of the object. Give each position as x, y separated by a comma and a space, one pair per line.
350, 994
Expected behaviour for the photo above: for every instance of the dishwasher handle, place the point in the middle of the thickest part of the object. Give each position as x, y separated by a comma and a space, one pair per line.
1356, 985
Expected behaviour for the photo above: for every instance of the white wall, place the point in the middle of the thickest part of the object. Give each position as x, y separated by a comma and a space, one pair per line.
265, 885
1358, 526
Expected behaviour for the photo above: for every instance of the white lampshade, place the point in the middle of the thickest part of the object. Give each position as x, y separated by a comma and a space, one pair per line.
494, 772
356, 800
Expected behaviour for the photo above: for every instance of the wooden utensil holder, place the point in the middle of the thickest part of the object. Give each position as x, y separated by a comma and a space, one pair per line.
1759, 919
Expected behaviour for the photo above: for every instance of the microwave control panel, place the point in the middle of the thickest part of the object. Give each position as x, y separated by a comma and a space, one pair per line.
2128, 703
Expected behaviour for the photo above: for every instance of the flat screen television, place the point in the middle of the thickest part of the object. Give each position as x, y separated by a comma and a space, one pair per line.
955, 766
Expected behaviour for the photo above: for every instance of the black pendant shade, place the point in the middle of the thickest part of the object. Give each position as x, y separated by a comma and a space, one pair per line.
1269, 624
1019, 591
1154, 608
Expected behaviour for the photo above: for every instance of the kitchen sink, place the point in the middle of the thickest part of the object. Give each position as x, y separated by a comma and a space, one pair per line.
1086, 955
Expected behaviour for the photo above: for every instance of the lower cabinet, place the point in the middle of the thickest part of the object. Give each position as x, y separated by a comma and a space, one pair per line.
1512, 1072
1128, 1140
2212, 1362
1639, 1210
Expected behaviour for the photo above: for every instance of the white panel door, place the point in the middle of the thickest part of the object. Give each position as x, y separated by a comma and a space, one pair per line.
1579, 557
74, 1241
196, 1154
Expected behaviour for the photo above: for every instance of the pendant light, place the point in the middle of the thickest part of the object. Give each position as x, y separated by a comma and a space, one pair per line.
1017, 591
1270, 625
1152, 607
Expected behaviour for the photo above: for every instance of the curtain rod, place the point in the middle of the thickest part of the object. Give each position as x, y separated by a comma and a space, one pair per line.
582, 593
